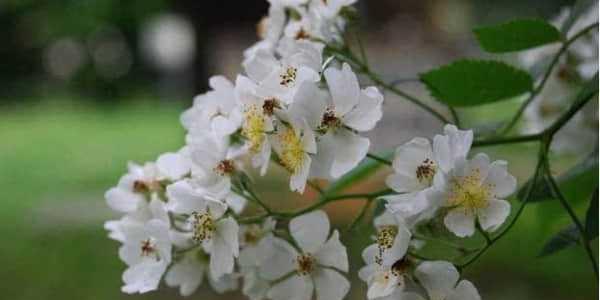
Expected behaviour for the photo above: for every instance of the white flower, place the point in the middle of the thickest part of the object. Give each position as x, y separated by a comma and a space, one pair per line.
214, 160
269, 29
145, 211
314, 267
281, 78
257, 244
218, 234
218, 107
143, 181
475, 189
293, 143
147, 252
337, 119
386, 263
416, 164
258, 112
189, 271
440, 278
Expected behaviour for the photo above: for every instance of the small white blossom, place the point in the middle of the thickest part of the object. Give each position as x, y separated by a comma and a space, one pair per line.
189, 272
416, 164
217, 233
475, 190
314, 268
147, 252
217, 107
257, 243
386, 268
440, 278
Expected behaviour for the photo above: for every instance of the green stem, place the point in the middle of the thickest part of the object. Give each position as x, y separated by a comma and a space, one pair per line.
379, 159
582, 232
547, 74
508, 140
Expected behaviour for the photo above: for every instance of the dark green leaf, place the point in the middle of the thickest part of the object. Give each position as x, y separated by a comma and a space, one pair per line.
576, 183
516, 35
563, 239
475, 82
364, 169
591, 217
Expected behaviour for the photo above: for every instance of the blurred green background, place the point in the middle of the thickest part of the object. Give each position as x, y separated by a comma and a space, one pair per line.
88, 85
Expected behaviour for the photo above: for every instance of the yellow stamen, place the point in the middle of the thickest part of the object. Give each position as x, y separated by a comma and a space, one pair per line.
469, 193
254, 127
292, 152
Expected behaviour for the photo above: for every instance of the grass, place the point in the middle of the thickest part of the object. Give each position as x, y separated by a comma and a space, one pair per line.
56, 160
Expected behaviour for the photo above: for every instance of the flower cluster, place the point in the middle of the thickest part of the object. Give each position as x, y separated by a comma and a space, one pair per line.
182, 214
434, 181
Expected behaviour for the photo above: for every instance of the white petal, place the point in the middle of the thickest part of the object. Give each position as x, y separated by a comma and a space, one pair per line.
143, 277
407, 205
384, 283
122, 200
437, 277
494, 214
343, 87
293, 288
399, 247
173, 165
330, 285
184, 199
187, 274
298, 179
369, 253
333, 253
228, 230
350, 150
367, 272
368, 111
221, 258
309, 103
236, 202
460, 222
502, 182
228, 282
402, 183
464, 291
310, 230
281, 257
259, 65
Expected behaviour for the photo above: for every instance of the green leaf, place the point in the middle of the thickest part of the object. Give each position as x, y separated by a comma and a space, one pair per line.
364, 169
591, 217
475, 82
516, 35
576, 183
563, 239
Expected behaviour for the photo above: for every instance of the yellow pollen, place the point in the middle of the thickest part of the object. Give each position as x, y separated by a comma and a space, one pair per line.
252, 234
254, 127
305, 264
385, 241
292, 152
469, 193
288, 77
203, 227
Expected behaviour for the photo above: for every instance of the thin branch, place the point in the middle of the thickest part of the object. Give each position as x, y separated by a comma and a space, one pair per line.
582, 232
379, 159
361, 215
508, 140
547, 74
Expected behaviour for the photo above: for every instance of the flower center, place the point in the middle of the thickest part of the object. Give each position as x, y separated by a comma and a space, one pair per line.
469, 193
254, 127
329, 121
288, 76
292, 152
270, 105
203, 226
305, 264
148, 248
252, 234
385, 240
225, 167
425, 172
302, 34
143, 187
